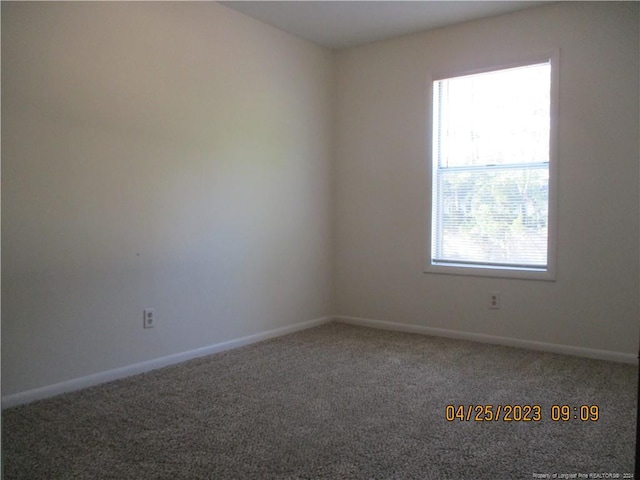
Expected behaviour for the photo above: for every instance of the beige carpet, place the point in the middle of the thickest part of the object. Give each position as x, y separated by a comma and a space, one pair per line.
333, 402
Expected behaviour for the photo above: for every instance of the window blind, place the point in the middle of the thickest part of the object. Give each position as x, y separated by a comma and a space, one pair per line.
491, 168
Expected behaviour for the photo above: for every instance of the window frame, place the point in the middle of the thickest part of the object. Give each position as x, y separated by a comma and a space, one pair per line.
491, 270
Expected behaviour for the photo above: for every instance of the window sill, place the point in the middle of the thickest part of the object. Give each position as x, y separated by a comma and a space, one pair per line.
487, 271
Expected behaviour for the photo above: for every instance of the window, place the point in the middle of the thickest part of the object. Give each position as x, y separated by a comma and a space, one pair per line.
493, 173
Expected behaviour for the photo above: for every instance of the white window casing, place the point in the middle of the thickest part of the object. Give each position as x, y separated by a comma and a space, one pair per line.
492, 171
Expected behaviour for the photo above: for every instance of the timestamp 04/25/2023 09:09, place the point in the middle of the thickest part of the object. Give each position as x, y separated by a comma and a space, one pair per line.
521, 413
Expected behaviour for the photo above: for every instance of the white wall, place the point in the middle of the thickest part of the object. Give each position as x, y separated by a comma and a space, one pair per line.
381, 190
166, 155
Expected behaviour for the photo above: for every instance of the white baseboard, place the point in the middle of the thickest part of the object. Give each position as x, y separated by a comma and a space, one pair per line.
115, 374
482, 338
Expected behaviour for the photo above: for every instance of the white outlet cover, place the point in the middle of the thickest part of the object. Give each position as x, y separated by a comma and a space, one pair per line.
494, 300
149, 318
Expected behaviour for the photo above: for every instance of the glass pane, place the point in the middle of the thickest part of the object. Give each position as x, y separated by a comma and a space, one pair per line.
492, 216
495, 118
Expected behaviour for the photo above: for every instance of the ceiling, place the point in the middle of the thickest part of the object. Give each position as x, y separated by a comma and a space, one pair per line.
342, 24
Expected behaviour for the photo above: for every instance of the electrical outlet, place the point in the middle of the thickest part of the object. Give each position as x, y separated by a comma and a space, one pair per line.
494, 300
149, 318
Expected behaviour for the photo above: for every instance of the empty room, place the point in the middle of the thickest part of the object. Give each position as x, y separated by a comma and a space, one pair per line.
320, 240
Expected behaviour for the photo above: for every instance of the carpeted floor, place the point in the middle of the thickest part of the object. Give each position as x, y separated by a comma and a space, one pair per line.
333, 402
